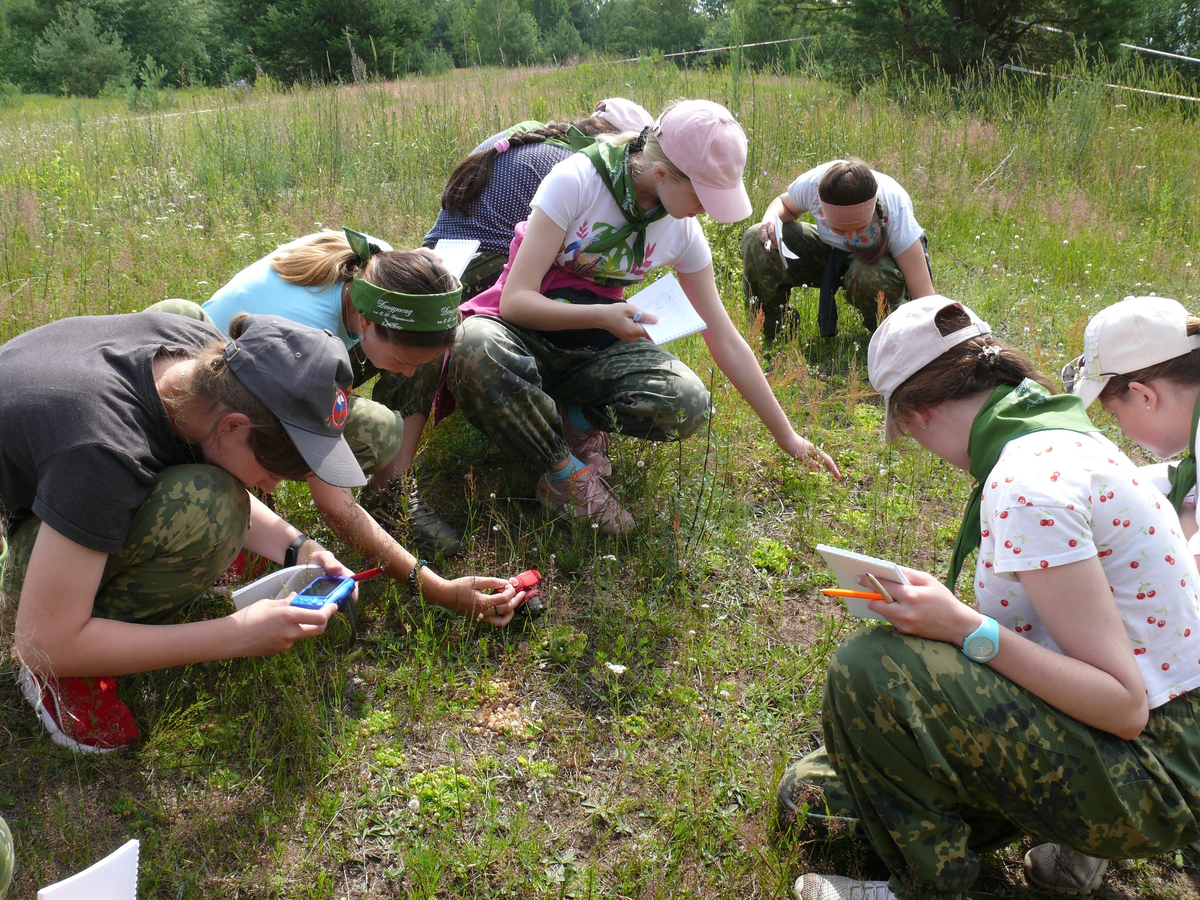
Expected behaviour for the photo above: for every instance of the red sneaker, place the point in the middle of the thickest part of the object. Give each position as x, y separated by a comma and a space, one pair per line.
81, 714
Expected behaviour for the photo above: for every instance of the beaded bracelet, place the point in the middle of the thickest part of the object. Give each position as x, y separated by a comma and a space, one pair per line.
413, 586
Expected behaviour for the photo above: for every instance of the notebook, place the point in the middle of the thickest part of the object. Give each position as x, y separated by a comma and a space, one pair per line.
677, 317
848, 566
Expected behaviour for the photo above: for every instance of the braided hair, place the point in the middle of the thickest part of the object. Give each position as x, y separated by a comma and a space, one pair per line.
472, 176
849, 182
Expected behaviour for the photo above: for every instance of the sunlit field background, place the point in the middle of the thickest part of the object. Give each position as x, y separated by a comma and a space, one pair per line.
627, 743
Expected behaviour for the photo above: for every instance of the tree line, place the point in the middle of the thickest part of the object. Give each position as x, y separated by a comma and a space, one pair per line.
85, 47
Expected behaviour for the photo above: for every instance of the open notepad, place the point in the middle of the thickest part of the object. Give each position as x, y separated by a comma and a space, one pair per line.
849, 566
676, 316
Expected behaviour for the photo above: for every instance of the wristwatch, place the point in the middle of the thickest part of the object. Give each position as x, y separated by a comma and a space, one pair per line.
984, 642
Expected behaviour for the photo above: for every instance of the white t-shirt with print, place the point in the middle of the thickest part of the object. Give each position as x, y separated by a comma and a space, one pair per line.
575, 198
1058, 497
895, 211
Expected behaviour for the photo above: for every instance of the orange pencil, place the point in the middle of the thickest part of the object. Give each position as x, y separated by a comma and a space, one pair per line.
862, 595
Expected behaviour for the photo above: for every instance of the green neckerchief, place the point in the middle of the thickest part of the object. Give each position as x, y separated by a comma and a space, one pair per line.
404, 312
527, 125
1009, 413
1183, 475
574, 140
612, 163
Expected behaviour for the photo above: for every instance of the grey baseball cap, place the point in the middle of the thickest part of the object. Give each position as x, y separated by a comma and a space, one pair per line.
303, 376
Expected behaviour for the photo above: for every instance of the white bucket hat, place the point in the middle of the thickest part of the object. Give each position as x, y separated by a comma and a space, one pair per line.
1127, 336
907, 341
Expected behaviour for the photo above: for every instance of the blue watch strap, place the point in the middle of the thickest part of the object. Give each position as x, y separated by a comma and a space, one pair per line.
984, 642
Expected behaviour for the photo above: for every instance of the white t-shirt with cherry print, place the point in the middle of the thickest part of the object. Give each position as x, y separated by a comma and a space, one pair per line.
1058, 497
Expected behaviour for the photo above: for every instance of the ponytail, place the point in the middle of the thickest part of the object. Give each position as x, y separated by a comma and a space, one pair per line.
971, 367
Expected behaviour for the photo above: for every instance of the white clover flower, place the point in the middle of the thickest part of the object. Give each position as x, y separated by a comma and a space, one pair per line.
414, 804
609, 557
615, 668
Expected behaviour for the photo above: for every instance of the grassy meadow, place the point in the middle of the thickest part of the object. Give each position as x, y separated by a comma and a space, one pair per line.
627, 743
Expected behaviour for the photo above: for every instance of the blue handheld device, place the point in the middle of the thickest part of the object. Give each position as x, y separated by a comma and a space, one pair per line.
326, 589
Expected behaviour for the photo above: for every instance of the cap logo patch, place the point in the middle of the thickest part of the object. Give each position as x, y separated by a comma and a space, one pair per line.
341, 409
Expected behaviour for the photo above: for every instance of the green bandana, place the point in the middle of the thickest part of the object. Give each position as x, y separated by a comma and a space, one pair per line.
404, 312
612, 163
1009, 413
1183, 475
574, 139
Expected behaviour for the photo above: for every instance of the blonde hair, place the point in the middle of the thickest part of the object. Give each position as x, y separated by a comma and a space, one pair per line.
650, 153
318, 260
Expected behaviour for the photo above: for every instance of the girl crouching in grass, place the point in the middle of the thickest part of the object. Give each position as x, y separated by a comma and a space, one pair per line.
866, 240
126, 447
554, 358
1141, 360
394, 311
1060, 709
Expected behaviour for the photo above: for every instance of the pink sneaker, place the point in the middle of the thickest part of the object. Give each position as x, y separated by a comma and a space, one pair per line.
81, 714
585, 497
589, 447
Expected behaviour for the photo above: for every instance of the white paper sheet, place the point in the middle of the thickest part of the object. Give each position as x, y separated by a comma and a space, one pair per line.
113, 878
455, 254
777, 242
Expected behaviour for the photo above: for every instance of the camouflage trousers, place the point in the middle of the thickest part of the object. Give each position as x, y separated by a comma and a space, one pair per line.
373, 430
181, 540
933, 759
508, 382
766, 285
413, 394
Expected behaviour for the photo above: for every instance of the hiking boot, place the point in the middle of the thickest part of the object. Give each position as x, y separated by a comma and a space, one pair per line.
838, 887
589, 447
429, 527
81, 714
392, 508
1062, 869
585, 497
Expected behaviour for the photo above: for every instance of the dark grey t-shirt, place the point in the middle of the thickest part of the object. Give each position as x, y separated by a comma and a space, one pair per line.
83, 433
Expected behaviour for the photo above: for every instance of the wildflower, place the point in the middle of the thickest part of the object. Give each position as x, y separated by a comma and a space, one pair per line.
705, 606
414, 804
615, 668
641, 463
609, 557
496, 527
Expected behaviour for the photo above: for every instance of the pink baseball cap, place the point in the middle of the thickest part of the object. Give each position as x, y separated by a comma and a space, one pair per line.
707, 144
907, 341
624, 114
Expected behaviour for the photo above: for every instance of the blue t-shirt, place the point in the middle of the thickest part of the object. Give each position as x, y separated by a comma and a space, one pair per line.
504, 202
259, 289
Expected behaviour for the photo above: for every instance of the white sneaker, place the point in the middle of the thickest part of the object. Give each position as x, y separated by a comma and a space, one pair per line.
838, 887
1062, 869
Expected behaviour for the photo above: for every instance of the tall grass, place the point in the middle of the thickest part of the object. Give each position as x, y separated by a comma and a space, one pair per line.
376, 773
